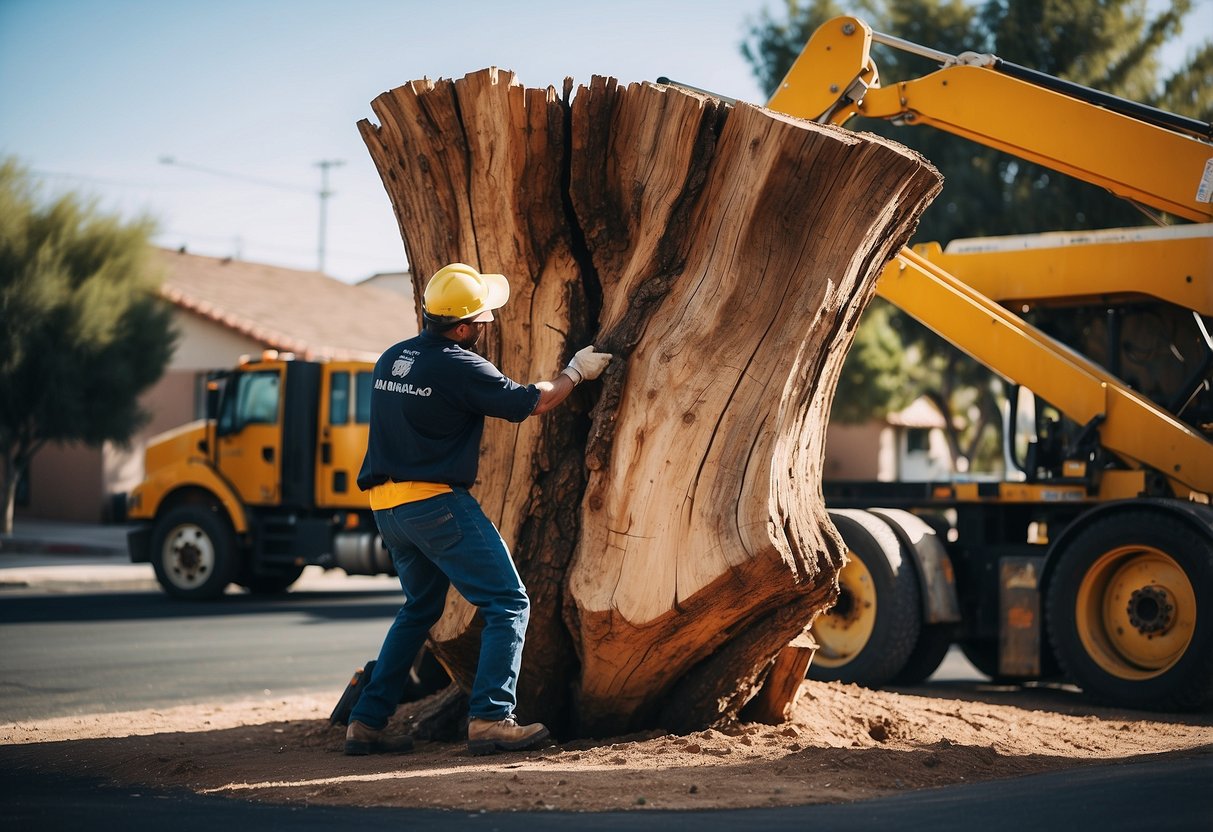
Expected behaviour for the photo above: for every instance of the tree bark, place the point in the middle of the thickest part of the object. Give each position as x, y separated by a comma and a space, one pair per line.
668, 522
15, 459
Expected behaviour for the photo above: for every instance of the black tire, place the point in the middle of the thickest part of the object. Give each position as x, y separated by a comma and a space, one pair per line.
934, 640
923, 537
867, 637
194, 552
1129, 610
271, 584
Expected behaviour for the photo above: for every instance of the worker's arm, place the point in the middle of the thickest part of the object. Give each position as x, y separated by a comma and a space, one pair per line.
552, 393
586, 365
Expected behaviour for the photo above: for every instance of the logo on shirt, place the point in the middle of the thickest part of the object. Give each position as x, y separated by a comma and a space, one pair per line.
397, 387
401, 367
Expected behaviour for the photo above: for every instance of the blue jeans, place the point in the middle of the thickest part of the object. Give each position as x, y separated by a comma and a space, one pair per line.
437, 542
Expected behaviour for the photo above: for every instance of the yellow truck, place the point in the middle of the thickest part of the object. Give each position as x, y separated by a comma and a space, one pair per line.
262, 487
1092, 559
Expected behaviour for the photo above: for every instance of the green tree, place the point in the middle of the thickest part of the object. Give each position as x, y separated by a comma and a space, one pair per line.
878, 374
1111, 45
83, 331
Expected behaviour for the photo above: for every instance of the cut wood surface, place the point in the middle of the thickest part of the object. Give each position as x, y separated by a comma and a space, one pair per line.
675, 541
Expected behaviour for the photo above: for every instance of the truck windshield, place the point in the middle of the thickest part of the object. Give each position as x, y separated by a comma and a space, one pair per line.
253, 401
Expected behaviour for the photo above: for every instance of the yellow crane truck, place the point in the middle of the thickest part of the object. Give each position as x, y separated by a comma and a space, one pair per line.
262, 487
1093, 559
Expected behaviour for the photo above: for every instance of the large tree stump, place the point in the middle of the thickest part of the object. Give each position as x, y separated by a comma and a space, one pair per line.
675, 541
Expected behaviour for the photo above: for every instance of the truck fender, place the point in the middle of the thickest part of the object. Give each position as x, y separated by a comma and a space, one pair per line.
941, 604
188, 475
1196, 515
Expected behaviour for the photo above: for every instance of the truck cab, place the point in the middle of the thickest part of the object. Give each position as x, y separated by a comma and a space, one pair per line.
264, 485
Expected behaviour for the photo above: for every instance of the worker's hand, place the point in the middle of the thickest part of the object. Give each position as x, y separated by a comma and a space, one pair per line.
589, 364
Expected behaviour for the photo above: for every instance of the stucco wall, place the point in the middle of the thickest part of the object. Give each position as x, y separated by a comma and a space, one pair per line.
853, 452
65, 483
205, 345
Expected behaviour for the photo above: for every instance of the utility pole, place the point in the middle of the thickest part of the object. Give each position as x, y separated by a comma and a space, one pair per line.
325, 193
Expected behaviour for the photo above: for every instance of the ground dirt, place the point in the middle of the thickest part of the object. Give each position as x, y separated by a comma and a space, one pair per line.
844, 743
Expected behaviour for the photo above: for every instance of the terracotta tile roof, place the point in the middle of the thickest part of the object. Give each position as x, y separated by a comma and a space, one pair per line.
307, 313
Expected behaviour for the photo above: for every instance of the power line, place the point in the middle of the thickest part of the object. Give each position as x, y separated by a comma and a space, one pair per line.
113, 183
324, 193
239, 177
362, 198
171, 233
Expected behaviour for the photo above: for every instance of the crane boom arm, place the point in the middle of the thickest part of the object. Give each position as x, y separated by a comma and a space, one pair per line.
1137, 153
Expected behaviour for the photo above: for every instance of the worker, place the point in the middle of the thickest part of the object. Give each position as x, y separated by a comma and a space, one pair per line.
430, 396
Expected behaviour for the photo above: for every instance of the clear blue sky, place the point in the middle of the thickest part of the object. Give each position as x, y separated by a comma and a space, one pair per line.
93, 93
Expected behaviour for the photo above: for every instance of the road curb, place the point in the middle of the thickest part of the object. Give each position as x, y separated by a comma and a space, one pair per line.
126, 576
38, 546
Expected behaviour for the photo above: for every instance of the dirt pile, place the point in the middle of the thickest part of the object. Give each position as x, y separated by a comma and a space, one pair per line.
845, 743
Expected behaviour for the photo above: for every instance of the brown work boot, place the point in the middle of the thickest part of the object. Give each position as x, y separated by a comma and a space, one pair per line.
362, 739
488, 737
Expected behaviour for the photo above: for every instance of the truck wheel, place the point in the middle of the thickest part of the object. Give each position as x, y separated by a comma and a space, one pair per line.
867, 637
193, 553
934, 640
272, 584
1130, 612
923, 538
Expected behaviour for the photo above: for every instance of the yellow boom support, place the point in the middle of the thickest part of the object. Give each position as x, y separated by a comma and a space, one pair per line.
1171, 264
1134, 428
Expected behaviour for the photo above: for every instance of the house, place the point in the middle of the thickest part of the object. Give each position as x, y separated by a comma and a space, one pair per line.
399, 282
224, 309
907, 445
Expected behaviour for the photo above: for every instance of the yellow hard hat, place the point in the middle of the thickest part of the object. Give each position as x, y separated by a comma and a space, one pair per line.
458, 292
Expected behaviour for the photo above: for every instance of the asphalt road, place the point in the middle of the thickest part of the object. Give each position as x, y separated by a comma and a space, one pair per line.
65, 654
1159, 797
84, 652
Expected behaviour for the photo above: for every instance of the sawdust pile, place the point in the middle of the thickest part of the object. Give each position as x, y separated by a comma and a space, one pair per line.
845, 743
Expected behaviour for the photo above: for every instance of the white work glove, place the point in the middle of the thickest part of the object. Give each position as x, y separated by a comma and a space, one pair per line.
587, 365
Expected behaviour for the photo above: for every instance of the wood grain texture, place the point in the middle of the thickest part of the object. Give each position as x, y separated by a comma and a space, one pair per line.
675, 541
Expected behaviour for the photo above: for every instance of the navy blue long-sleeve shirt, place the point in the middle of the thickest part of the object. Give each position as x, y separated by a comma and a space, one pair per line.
429, 400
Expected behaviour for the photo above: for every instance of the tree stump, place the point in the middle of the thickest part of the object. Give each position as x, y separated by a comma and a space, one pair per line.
668, 521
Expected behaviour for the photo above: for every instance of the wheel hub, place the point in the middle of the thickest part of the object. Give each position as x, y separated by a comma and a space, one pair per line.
190, 557
1135, 612
845, 611
844, 629
1151, 610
